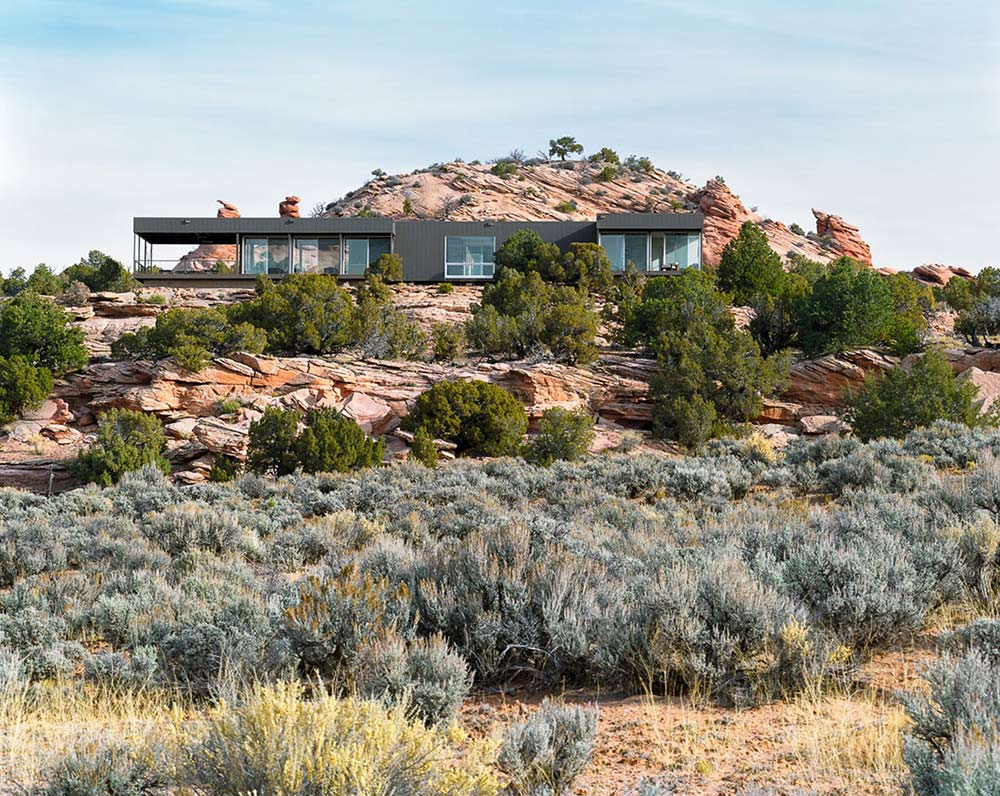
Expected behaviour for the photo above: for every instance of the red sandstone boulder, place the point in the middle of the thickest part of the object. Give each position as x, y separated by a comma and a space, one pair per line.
227, 210
289, 208
844, 239
939, 275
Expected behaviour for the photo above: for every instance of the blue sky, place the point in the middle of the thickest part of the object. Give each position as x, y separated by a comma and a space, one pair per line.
884, 112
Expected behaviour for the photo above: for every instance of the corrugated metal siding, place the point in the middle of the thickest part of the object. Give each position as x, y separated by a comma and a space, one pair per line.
421, 243
646, 222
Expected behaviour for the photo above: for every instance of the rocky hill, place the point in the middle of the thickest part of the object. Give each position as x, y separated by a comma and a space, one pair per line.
579, 190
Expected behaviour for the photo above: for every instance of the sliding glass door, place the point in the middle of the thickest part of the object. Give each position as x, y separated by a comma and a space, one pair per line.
316, 255
265, 256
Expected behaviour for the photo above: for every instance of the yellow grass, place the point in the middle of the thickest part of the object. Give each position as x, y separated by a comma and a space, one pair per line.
42, 722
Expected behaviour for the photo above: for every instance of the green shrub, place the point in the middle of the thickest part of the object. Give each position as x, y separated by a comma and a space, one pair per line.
565, 207
548, 751
475, 415
36, 329
605, 155
14, 283
445, 288
796, 229
710, 374
953, 748
980, 322
423, 449
335, 621
904, 399
22, 386
640, 163
775, 322
271, 442
957, 293
379, 329
301, 314
425, 674
608, 173
525, 251
749, 268
99, 272
190, 337
851, 306
126, 440
44, 282
388, 266
911, 300
563, 434
408, 206
520, 314
504, 169
329, 442
447, 342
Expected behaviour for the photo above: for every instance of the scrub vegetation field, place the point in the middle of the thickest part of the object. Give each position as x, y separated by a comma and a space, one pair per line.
740, 621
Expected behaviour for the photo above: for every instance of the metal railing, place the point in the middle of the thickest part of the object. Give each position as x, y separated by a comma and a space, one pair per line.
218, 266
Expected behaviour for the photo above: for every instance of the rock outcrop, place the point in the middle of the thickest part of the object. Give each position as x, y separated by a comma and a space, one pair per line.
289, 208
227, 210
842, 238
939, 275
724, 215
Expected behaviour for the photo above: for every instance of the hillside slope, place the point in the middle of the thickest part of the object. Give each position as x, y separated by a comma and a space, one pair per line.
577, 190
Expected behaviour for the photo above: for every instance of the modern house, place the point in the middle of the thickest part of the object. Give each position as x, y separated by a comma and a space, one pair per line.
431, 251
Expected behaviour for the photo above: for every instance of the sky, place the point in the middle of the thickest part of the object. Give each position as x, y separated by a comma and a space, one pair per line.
887, 113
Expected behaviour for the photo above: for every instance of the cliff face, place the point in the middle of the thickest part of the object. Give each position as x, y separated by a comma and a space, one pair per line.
576, 190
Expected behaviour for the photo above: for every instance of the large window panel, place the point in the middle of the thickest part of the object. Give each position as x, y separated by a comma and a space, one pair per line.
636, 254
254, 259
316, 255
683, 250
355, 256
265, 256
376, 248
469, 256
359, 253
614, 245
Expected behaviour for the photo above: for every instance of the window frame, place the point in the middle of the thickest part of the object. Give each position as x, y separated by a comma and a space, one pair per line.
466, 265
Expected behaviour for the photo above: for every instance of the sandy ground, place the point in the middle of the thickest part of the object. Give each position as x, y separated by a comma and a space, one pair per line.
843, 743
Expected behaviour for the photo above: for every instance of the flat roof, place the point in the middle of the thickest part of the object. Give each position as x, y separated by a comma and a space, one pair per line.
224, 230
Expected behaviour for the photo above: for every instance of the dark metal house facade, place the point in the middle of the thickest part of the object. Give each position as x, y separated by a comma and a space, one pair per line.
431, 251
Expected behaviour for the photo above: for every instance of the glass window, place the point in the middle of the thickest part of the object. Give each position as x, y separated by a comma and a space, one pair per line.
359, 253
265, 255
656, 251
316, 255
355, 256
635, 251
376, 248
682, 250
614, 245
469, 256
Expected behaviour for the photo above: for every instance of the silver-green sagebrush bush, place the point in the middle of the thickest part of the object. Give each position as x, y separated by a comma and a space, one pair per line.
720, 573
548, 751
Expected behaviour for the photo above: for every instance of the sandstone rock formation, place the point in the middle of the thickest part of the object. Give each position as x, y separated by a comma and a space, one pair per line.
842, 238
227, 210
724, 215
470, 191
289, 208
939, 275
